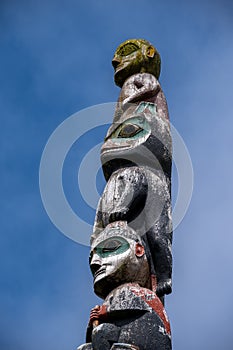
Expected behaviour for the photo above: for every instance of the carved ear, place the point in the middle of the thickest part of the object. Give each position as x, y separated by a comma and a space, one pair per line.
139, 250
150, 51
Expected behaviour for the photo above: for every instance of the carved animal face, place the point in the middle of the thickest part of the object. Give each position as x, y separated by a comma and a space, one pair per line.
140, 137
116, 258
135, 56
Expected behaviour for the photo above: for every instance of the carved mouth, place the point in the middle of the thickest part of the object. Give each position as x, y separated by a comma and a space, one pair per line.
120, 152
121, 66
115, 148
99, 272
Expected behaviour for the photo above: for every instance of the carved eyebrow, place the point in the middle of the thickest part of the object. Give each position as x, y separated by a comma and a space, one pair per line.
127, 49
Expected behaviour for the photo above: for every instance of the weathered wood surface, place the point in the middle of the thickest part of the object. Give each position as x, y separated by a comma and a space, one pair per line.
131, 258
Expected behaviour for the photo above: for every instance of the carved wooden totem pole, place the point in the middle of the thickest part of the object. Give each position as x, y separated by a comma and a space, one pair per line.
130, 257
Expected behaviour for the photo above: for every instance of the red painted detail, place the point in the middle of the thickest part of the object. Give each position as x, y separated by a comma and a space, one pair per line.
98, 313
154, 302
153, 283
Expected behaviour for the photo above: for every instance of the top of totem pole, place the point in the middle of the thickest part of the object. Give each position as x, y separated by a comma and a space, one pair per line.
135, 56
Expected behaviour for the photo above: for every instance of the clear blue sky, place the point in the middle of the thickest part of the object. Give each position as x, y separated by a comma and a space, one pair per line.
55, 60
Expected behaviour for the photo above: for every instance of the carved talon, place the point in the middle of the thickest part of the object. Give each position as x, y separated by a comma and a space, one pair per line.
118, 215
164, 287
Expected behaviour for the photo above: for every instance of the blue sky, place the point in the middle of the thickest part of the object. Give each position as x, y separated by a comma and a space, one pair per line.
56, 60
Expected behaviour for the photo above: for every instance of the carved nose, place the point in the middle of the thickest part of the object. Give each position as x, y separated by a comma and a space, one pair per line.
115, 63
95, 263
94, 268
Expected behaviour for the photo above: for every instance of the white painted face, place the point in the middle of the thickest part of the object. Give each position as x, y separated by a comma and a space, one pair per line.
116, 260
111, 257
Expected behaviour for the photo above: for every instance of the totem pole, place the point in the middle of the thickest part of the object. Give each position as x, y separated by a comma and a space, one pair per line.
130, 256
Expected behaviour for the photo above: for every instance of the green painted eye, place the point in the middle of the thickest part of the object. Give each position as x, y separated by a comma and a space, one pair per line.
131, 129
111, 246
127, 49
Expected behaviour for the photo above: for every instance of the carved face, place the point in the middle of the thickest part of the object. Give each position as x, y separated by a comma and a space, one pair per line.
116, 258
139, 137
135, 56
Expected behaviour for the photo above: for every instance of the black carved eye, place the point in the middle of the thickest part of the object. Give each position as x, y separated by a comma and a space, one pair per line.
111, 245
129, 130
127, 49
